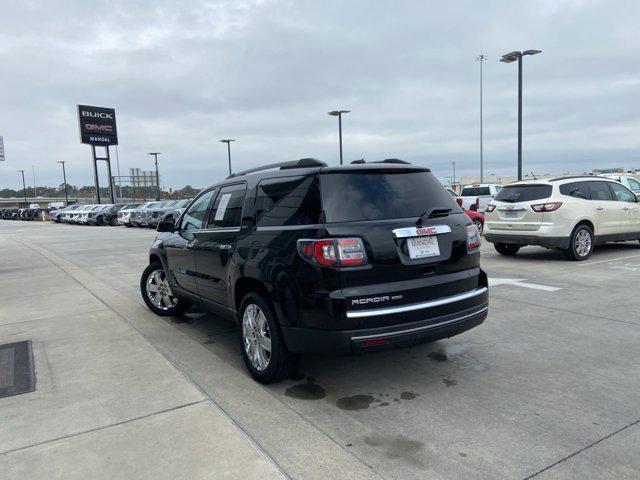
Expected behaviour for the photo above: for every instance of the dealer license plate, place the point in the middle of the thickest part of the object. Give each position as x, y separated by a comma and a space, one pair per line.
422, 247
511, 213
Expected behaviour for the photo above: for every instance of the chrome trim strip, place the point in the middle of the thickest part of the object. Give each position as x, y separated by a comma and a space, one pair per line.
216, 230
421, 231
415, 306
289, 227
418, 329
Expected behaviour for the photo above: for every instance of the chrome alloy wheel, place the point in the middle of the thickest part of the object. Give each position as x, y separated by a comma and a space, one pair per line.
583, 243
159, 292
256, 337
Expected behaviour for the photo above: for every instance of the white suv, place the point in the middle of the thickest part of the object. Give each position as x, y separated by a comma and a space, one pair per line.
570, 213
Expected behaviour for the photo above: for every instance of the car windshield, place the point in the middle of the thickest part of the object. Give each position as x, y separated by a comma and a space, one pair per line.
357, 196
523, 193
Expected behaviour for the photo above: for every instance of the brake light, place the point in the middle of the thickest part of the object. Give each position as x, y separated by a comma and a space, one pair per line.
473, 238
333, 252
459, 201
477, 203
490, 207
546, 207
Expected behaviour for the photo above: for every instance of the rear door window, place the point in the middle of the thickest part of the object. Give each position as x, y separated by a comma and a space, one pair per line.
576, 190
227, 209
475, 191
523, 193
288, 201
600, 191
357, 196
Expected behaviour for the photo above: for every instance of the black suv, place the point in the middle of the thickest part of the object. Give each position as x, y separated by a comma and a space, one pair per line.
316, 259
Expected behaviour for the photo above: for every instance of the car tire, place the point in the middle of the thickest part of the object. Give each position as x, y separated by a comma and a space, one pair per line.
479, 225
263, 349
581, 244
506, 249
100, 221
156, 292
113, 221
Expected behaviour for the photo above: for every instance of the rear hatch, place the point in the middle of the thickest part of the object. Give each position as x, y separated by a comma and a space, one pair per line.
415, 237
513, 207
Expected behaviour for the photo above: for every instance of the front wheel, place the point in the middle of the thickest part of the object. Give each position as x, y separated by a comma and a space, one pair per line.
506, 249
580, 245
263, 350
157, 294
113, 221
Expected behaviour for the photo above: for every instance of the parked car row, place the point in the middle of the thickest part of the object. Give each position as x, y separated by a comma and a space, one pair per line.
27, 214
129, 214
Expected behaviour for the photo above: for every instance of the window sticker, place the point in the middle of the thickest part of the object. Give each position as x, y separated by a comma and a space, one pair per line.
222, 206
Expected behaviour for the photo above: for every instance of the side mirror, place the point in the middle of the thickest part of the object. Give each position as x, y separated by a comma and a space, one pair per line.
167, 225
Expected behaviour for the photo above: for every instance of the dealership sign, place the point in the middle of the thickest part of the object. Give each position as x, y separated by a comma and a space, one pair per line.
97, 125
1, 149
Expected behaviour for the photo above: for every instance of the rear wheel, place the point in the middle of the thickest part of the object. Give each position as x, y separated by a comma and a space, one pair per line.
113, 221
157, 294
479, 225
100, 221
581, 244
263, 350
506, 249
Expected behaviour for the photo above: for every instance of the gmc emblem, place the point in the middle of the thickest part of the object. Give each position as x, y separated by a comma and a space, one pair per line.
426, 231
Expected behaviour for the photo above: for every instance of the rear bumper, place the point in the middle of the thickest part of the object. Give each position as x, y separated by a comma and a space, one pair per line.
346, 342
548, 242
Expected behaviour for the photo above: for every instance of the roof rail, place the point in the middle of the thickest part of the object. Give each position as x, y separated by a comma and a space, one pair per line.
573, 176
387, 160
302, 163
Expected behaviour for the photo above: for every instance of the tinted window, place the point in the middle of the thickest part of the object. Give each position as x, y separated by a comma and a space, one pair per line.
576, 189
600, 191
288, 201
622, 193
227, 209
194, 217
348, 197
475, 191
634, 184
523, 193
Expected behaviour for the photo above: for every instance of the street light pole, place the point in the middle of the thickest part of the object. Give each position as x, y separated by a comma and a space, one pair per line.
64, 178
33, 172
338, 113
228, 142
453, 181
24, 188
481, 58
508, 58
155, 156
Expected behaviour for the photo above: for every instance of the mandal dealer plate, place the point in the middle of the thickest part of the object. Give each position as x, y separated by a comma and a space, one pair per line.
423, 247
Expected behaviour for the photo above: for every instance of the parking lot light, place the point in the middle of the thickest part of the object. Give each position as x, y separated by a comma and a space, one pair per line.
155, 155
338, 113
24, 188
508, 58
64, 178
228, 142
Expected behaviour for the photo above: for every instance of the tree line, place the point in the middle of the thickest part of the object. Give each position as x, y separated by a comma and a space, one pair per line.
89, 191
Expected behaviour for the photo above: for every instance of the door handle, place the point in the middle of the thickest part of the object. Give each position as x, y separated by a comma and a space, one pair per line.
225, 247
599, 208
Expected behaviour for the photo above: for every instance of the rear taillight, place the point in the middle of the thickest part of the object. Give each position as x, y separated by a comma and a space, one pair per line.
490, 208
473, 238
333, 252
459, 201
546, 207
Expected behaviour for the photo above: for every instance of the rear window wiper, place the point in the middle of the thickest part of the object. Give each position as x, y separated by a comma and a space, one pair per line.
432, 213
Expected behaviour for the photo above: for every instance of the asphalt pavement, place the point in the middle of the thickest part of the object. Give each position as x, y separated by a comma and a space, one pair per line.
546, 388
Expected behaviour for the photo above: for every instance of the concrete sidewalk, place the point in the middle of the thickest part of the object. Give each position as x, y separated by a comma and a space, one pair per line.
107, 403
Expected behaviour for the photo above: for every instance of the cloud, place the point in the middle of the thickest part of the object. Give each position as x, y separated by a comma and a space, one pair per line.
183, 75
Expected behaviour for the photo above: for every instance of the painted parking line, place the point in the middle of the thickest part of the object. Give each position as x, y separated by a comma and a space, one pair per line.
520, 282
582, 264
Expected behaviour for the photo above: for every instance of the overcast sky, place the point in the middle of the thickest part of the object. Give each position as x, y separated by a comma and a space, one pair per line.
182, 75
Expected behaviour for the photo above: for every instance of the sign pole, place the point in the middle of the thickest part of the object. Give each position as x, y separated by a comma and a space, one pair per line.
95, 173
111, 186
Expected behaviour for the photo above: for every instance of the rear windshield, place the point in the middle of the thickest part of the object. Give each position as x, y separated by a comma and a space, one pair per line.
523, 193
357, 196
475, 191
